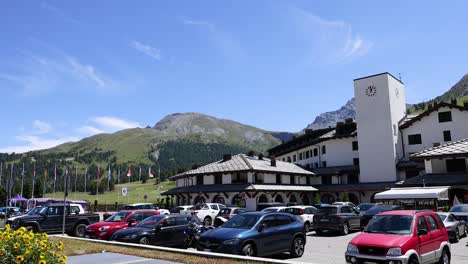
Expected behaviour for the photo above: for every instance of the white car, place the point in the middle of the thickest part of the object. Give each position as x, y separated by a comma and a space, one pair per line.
183, 210
207, 212
274, 209
163, 211
303, 213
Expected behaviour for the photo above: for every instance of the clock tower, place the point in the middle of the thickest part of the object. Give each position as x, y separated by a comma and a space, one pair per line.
380, 105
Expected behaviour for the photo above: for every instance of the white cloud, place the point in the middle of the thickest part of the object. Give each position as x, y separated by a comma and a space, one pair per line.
189, 21
35, 143
41, 127
90, 130
59, 12
146, 49
111, 124
332, 41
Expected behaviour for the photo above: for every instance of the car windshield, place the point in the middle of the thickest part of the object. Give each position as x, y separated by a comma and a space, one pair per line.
34, 211
117, 217
442, 217
201, 207
244, 221
327, 210
459, 209
390, 224
150, 222
365, 207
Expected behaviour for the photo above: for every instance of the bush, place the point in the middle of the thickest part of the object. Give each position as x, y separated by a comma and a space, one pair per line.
25, 247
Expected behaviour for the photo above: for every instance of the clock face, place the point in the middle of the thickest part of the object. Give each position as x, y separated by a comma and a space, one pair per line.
371, 90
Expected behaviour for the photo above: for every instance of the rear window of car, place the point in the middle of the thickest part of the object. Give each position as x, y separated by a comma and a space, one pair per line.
225, 211
326, 210
459, 209
293, 211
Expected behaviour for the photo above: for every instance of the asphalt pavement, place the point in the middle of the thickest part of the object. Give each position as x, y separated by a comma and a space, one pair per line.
113, 258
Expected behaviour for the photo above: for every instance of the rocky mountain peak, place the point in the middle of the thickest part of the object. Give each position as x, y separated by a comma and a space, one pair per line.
327, 119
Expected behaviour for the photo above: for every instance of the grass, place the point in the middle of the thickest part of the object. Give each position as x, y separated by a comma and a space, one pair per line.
419, 111
79, 247
136, 192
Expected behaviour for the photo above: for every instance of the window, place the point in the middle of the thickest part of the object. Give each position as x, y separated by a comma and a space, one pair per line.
353, 178
315, 152
421, 223
292, 179
269, 221
324, 164
283, 220
316, 164
289, 159
324, 150
200, 180
307, 154
218, 179
432, 223
445, 117
414, 139
345, 210
455, 165
355, 145
308, 180
184, 220
300, 156
326, 180
214, 207
278, 178
283, 159
356, 161
447, 136
294, 158
435, 144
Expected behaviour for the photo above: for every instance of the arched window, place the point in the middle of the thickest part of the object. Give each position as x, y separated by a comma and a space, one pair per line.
327, 198
353, 198
293, 199
305, 200
279, 199
218, 199
200, 200
239, 201
263, 199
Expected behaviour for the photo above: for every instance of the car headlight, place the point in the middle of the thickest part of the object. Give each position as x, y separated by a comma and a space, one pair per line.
352, 248
394, 252
231, 242
104, 228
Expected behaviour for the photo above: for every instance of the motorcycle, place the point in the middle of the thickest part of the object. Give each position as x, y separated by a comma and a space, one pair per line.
193, 232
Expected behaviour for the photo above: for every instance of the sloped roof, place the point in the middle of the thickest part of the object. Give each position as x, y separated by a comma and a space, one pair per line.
249, 187
242, 162
452, 149
437, 179
337, 170
409, 121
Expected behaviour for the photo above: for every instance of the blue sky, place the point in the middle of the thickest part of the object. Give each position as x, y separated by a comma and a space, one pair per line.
69, 70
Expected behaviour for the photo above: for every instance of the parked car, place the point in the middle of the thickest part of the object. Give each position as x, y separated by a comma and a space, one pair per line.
49, 219
9, 211
261, 206
367, 216
207, 212
350, 204
183, 209
119, 220
303, 213
160, 230
363, 207
139, 206
274, 209
340, 218
460, 211
455, 228
226, 214
33, 211
402, 236
256, 234
319, 205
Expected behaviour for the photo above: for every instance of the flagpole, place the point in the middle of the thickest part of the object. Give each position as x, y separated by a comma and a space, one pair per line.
97, 188
139, 176
118, 180
44, 181
76, 178
55, 176
108, 178
33, 181
1, 171
85, 178
22, 180
10, 184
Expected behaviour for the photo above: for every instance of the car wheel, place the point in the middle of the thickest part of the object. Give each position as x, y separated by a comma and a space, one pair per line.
297, 247
31, 228
207, 221
413, 260
248, 250
345, 230
307, 227
144, 241
445, 258
318, 232
457, 236
79, 230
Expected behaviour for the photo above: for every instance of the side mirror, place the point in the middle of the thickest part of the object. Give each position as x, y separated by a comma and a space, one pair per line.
131, 222
261, 227
422, 232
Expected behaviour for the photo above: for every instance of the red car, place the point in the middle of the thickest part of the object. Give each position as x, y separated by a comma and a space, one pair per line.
120, 220
401, 237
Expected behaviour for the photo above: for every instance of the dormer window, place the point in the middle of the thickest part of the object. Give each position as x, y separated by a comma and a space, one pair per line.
445, 117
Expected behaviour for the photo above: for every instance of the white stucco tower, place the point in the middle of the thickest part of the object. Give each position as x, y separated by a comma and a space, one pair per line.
380, 105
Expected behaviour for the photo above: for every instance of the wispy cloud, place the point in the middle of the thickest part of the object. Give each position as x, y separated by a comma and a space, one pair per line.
146, 49
38, 74
90, 130
41, 127
224, 41
57, 11
35, 143
332, 41
110, 123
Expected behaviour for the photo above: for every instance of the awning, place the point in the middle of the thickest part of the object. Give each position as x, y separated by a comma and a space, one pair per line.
287, 188
439, 193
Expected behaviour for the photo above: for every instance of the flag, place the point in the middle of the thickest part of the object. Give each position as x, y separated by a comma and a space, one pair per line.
99, 172
22, 180
139, 175
55, 172
129, 172
76, 176
109, 177
150, 173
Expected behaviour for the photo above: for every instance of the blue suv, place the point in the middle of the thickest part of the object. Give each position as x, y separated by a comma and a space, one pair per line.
256, 234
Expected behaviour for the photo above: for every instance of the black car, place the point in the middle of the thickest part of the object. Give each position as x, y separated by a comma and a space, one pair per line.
340, 218
160, 230
367, 215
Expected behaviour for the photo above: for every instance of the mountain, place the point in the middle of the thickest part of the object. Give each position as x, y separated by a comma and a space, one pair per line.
460, 89
327, 119
177, 142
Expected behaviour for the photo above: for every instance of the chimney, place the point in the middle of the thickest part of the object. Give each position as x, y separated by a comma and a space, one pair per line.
251, 153
227, 157
453, 101
273, 162
339, 128
465, 105
348, 120
260, 156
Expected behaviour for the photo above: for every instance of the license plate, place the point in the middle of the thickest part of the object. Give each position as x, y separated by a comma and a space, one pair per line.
207, 250
323, 220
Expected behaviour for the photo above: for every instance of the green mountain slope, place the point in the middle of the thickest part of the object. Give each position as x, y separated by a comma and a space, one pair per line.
460, 89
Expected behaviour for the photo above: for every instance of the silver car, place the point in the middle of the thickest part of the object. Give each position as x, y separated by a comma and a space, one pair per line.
456, 227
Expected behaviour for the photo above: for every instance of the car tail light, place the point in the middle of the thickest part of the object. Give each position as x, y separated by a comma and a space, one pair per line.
301, 211
194, 213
